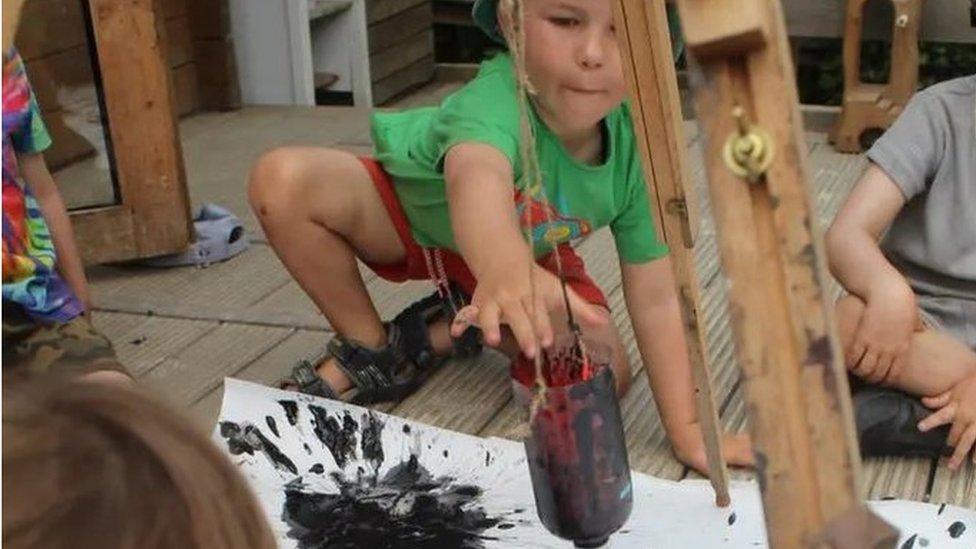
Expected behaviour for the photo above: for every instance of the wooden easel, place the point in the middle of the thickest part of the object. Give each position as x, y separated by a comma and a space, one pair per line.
649, 66
797, 397
875, 107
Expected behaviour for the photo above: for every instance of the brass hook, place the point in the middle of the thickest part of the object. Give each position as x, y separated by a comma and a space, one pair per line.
748, 152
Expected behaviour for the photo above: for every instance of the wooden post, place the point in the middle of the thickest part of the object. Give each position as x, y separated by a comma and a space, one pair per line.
875, 107
153, 213
797, 398
645, 46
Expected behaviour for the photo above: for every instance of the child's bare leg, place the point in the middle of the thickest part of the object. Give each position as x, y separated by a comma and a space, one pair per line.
936, 361
320, 211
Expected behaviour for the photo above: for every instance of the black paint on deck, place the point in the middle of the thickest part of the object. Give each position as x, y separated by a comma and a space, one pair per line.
291, 411
248, 439
406, 508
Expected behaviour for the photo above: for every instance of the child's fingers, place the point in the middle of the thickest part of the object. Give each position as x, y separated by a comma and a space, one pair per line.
938, 401
463, 319
543, 325
488, 320
738, 451
517, 319
963, 448
941, 417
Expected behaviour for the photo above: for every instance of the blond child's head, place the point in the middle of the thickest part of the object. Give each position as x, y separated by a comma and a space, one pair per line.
571, 57
90, 465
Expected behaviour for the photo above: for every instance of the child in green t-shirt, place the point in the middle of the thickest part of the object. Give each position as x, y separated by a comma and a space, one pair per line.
443, 200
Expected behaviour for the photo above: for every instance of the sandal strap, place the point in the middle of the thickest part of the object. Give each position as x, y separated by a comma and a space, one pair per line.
306, 376
368, 369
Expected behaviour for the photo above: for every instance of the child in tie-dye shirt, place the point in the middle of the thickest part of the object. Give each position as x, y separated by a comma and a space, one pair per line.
44, 286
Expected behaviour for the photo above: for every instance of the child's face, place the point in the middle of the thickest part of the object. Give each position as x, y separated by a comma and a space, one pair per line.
573, 61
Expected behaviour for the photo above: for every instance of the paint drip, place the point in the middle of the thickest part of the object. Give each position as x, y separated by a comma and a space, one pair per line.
577, 453
248, 439
407, 507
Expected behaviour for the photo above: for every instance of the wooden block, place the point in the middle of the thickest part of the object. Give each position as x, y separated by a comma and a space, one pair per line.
728, 28
388, 32
401, 55
377, 10
418, 73
104, 234
178, 42
186, 89
50, 26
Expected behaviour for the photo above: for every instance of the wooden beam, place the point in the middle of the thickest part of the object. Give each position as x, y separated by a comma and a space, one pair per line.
797, 397
138, 95
645, 46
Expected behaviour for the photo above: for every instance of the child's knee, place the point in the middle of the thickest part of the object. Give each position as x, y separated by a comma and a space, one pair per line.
271, 179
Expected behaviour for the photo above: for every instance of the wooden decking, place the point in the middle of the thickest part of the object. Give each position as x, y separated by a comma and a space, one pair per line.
181, 331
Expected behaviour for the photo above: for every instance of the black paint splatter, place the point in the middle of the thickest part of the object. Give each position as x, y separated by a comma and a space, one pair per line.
307, 449
910, 542
941, 508
957, 529
371, 442
318, 469
446, 453
139, 340
732, 518
406, 429
923, 542
249, 439
291, 411
272, 425
406, 508
340, 440
487, 459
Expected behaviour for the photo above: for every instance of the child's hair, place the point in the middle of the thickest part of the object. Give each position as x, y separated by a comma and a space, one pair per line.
91, 465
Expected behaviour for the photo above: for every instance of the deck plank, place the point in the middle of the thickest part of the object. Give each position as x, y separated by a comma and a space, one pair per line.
955, 488
187, 376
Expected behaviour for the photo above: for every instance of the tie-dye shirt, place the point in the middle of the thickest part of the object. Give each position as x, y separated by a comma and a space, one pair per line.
30, 276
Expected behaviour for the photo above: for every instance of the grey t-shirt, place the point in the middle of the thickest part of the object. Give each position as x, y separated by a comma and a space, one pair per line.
930, 153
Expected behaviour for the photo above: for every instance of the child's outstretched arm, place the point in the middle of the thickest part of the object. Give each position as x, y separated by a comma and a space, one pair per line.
652, 302
480, 194
880, 347
38, 178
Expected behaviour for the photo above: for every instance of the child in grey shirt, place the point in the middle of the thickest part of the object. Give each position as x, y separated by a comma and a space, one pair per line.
904, 247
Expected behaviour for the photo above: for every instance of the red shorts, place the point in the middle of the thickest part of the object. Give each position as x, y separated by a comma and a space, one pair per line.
417, 267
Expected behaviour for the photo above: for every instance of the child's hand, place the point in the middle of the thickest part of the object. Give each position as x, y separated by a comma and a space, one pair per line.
689, 447
881, 343
506, 297
956, 406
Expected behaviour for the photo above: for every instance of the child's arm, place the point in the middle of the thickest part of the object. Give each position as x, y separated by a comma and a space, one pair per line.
38, 178
486, 229
652, 302
881, 343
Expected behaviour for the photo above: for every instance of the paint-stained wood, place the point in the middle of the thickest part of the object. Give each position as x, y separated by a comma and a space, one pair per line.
656, 112
797, 399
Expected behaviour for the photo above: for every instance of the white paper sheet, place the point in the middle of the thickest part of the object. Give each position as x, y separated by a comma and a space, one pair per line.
666, 514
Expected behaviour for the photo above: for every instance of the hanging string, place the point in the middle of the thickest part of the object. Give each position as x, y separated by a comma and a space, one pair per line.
513, 28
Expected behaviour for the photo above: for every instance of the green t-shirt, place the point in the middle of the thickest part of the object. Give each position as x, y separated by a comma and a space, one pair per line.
412, 144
